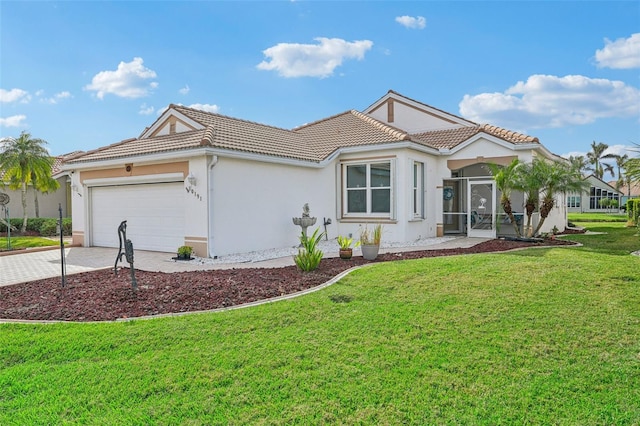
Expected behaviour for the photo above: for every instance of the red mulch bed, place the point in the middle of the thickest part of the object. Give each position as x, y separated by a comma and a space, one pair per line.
101, 295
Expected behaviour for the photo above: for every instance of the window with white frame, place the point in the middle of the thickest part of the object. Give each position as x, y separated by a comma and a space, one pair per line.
417, 202
367, 189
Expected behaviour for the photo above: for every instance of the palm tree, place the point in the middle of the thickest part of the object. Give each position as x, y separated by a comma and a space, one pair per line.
620, 161
579, 162
558, 178
20, 158
632, 167
43, 184
530, 180
504, 177
595, 157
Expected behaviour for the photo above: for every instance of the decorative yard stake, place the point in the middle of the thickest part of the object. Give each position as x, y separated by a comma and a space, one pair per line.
63, 265
4, 201
128, 253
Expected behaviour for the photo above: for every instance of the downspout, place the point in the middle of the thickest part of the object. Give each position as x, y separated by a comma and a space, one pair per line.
213, 160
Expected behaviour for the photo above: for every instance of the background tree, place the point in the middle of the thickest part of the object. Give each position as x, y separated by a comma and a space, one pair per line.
620, 161
579, 162
20, 159
632, 168
44, 184
595, 157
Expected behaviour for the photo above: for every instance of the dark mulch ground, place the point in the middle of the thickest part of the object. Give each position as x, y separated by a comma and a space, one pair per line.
100, 295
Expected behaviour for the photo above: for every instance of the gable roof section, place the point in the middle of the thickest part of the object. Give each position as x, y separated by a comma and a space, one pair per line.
596, 180
349, 129
444, 115
248, 136
131, 147
450, 138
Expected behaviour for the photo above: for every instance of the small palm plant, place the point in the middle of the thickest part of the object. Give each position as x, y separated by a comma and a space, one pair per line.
309, 256
346, 251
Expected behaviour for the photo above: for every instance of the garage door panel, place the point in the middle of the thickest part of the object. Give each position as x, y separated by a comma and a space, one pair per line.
154, 215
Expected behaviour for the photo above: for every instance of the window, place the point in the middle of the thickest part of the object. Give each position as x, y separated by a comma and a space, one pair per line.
417, 192
367, 189
597, 195
573, 201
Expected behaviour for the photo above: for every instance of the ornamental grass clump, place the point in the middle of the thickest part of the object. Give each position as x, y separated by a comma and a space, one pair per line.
309, 256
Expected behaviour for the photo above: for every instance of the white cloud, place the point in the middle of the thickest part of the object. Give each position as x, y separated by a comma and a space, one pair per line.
146, 110
184, 90
128, 81
415, 23
623, 53
13, 121
57, 97
546, 101
206, 107
14, 95
312, 60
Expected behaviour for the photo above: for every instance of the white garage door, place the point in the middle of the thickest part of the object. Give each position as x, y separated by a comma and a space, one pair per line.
154, 215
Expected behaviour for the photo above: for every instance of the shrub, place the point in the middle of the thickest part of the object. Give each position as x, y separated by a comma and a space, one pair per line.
633, 210
185, 251
42, 225
48, 227
309, 256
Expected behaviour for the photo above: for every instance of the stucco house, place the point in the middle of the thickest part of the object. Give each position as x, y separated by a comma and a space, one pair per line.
589, 201
225, 185
49, 203
628, 192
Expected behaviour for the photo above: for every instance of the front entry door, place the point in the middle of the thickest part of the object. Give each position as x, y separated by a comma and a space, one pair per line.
481, 209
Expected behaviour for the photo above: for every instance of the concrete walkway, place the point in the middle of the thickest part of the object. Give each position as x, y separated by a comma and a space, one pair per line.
30, 266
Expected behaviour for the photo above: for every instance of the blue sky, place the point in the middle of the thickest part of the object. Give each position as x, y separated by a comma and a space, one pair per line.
86, 74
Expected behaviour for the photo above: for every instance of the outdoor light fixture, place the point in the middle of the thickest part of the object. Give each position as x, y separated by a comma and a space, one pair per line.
191, 178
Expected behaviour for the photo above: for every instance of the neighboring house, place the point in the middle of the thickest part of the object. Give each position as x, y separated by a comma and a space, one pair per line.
48, 204
590, 199
224, 185
627, 191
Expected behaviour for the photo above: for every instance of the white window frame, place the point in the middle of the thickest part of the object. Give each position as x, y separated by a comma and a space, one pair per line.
368, 189
417, 190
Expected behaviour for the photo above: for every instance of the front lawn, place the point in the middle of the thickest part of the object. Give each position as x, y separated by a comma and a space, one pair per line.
20, 242
597, 217
540, 336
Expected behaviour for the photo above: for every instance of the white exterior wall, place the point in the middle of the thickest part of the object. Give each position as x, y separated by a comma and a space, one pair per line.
196, 204
78, 192
253, 203
47, 203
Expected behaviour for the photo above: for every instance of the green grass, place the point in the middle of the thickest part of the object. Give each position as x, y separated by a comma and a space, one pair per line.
27, 242
597, 217
540, 336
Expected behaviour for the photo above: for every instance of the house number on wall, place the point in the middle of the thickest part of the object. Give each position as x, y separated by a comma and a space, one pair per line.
192, 191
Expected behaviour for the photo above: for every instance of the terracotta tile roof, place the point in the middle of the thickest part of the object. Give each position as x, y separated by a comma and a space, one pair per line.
351, 128
311, 142
130, 147
508, 135
450, 138
635, 188
248, 136
445, 139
